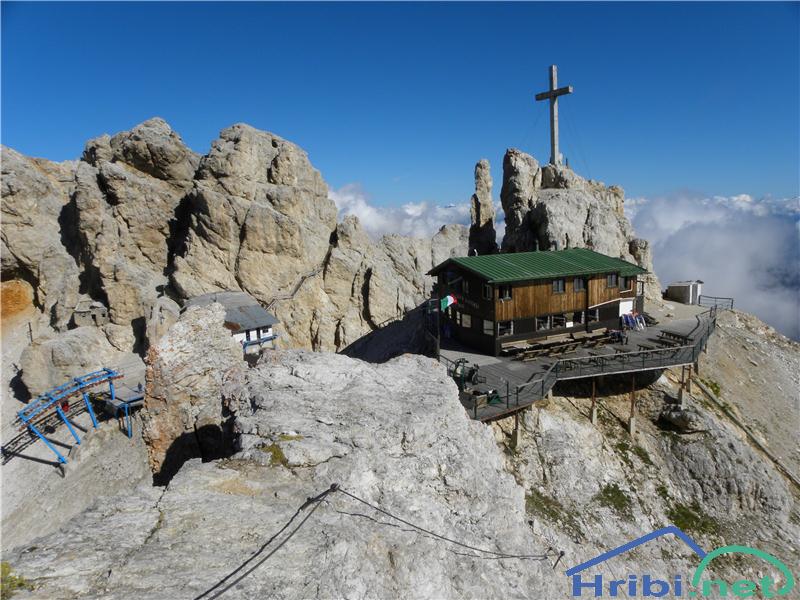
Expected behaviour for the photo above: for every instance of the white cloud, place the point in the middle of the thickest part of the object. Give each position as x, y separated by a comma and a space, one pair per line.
739, 246
418, 219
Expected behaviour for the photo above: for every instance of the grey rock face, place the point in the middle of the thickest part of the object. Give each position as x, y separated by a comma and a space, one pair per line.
552, 207
482, 235
35, 195
183, 415
141, 216
684, 419
51, 360
39, 502
393, 434
262, 221
150, 147
260, 217
451, 240
164, 312
396, 435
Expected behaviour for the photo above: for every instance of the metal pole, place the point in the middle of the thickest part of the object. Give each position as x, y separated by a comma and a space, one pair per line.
61, 459
128, 419
89, 409
67, 423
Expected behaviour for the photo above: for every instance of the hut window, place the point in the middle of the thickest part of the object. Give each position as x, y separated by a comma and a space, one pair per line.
466, 320
465, 287
488, 327
542, 323
505, 328
611, 280
559, 321
577, 285
558, 286
577, 318
505, 292
487, 291
625, 283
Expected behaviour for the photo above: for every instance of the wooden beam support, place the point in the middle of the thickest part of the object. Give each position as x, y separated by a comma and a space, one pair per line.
632, 419
593, 414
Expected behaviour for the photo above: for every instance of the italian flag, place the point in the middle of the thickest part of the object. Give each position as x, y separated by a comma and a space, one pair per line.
448, 301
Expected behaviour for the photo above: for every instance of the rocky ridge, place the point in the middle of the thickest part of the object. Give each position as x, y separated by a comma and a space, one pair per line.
396, 435
141, 218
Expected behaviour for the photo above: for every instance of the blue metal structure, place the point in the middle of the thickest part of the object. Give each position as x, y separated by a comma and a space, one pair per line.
40, 407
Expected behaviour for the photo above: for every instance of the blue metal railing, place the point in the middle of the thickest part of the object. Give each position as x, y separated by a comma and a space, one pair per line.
53, 399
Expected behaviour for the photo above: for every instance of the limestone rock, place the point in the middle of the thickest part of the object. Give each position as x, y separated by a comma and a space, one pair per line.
553, 208
50, 361
34, 199
163, 313
258, 208
183, 415
393, 434
482, 235
397, 436
151, 147
685, 419
451, 240
124, 219
39, 502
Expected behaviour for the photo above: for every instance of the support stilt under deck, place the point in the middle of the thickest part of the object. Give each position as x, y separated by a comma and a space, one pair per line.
593, 413
515, 434
632, 419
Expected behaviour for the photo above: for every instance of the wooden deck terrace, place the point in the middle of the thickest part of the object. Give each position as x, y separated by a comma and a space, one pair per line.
521, 383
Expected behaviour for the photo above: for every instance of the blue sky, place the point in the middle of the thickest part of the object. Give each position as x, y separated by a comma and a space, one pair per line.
405, 98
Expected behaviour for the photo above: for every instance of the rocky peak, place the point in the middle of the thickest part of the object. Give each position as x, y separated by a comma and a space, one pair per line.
141, 216
482, 235
151, 147
554, 208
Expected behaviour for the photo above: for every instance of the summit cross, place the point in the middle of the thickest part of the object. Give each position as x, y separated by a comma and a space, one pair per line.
552, 94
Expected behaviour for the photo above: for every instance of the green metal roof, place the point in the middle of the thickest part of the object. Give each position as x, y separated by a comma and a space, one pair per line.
527, 266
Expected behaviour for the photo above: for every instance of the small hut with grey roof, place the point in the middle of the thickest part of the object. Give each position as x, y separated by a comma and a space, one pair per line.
249, 322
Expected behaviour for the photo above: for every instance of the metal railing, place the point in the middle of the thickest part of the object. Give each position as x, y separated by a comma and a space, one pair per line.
606, 364
716, 302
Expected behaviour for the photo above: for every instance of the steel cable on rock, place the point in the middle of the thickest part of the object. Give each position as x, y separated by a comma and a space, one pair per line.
445, 538
317, 501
